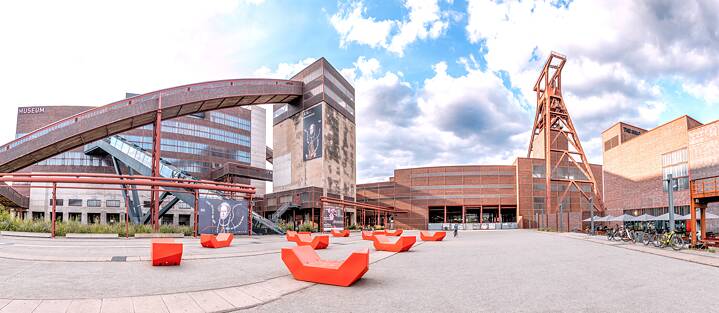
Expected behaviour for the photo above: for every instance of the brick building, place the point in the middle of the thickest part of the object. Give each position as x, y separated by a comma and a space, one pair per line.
637, 161
476, 196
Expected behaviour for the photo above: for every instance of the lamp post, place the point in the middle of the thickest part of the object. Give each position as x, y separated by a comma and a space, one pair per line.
670, 189
591, 215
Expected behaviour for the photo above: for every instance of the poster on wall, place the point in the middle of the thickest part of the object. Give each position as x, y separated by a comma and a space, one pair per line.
333, 218
312, 137
222, 216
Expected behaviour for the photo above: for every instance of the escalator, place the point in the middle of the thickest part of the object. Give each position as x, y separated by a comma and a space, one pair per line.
140, 161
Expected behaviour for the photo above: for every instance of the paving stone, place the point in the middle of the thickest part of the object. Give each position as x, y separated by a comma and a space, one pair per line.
181, 303
85, 306
53, 306
149, 304
210, 301
238, 298
20, 306
261, 291
3, 302
116, 305
285, 284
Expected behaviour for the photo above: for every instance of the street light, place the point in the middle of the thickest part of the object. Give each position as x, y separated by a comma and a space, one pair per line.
670, 189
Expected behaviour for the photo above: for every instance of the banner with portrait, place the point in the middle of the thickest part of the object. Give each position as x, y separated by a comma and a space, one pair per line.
333, 217
222, 216
312, 133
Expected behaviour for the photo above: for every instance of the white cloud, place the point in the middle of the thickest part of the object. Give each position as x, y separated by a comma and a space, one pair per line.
617, 51
284, 70
425, 21
353, 26
449, 120
708, 91
92, 52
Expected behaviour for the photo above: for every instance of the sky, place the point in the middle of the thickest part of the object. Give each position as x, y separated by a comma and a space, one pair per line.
437, 82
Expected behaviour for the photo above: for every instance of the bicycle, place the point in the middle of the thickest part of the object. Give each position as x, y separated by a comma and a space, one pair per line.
671, 239
650, 236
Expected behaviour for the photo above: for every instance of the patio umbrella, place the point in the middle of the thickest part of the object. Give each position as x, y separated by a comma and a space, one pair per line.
606, 218
644, 218
623, 218
709, 216
665, 217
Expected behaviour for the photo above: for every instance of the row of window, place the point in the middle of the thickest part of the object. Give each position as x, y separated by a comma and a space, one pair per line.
561, 172
91, 203
74, 158
212, 133
181, 146
230, 120
468, 173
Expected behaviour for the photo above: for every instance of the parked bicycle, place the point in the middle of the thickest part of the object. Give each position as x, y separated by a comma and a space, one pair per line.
671, 239
650, 235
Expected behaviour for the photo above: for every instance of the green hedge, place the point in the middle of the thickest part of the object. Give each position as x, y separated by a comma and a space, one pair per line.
8, 223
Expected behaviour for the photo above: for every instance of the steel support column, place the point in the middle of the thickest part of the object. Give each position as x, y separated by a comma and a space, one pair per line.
54, 206
156, 146
249, 218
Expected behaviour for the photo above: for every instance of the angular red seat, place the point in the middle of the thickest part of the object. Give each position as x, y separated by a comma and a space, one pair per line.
396, 232
291, 236
165, 252
429, 236
316, 242
367, 235
216, 241
379, 232
341, 233
384, 243
304, 264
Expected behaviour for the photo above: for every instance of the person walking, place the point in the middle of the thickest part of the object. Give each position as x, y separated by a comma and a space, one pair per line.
456, 229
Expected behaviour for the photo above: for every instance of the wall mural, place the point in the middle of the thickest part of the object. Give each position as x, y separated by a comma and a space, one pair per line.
312, 137
223, 216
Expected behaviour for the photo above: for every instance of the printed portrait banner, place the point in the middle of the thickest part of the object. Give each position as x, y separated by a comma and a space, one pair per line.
333, 218
223, 216
312, 133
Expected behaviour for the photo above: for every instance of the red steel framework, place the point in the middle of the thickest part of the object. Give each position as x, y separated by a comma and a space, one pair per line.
551, 121
57, 181
358, 205
702, 192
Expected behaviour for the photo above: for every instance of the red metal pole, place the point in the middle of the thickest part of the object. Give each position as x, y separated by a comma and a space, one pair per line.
195, 216
54, 204
249, 218
156, 146
127, 218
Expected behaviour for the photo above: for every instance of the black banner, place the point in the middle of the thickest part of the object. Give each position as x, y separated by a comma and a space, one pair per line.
333, 218
223, 216
312, 137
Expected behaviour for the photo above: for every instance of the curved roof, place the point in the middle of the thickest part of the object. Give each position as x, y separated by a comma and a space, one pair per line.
126, 114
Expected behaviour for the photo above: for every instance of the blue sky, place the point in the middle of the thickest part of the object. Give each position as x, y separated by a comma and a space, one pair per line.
437, 82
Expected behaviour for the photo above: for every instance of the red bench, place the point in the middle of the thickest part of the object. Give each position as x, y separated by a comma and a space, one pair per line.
216, 241
403, 243
291, 236
341, 233
165, 252
316, 242
429, 236
305, 264
395, 233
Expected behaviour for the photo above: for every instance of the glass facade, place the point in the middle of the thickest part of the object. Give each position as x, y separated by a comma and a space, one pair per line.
675, 163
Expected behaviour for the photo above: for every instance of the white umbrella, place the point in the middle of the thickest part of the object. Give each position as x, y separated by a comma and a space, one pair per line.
623, 218
606, 218
644, 218
708, 216
665, 217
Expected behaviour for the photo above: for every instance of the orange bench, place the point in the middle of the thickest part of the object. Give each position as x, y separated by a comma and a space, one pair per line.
304, 264
316, 242
429, 236
367, 235
341, 233
404, 243
395, 233
216, 241
291, 236
165, 252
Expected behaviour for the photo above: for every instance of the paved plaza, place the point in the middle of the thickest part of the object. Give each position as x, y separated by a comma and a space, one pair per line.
491, 271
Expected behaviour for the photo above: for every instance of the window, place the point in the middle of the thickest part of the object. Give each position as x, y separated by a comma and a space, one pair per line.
94, 203
59, 202
113, 218
112, 203
538, 171
38, 215
611, 143
75, 216
675, 163
74, 202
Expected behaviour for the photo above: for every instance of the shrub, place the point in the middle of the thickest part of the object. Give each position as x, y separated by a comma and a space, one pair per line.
8, 223
378, 227
308, 226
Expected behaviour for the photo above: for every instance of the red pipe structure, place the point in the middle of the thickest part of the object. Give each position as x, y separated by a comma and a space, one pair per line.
105, 179
156, 139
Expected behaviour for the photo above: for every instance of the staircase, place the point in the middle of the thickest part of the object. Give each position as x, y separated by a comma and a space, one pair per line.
140, 161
